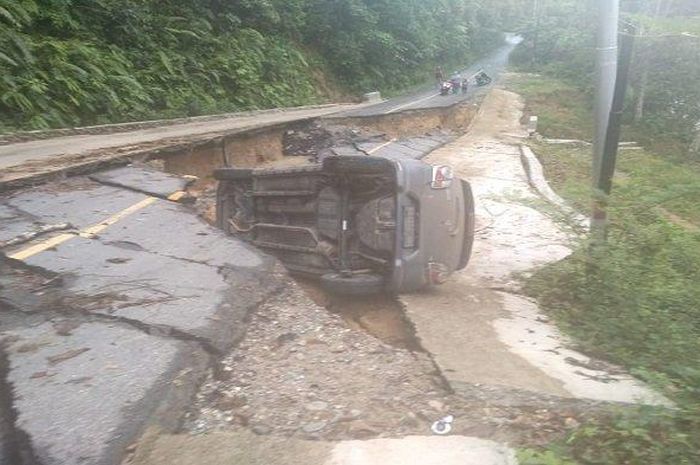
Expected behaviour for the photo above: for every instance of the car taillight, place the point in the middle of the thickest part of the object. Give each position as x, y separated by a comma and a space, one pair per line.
410, 233
442, 177
437, 273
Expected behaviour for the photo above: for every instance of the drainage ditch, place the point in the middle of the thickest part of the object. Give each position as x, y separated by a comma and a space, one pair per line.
380, 316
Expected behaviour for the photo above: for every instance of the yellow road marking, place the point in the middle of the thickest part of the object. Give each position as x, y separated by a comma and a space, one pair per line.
87, 232
376, 149
42, 246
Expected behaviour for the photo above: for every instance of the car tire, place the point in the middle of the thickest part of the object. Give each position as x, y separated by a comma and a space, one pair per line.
223, 206
356, 285
356, 164
232, 174
226, 206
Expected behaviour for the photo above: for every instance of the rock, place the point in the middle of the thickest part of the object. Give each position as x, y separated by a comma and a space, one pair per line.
232, 402
571, 423
436, 405
314, 426
261, 429
362, 430
410, 421
316, 406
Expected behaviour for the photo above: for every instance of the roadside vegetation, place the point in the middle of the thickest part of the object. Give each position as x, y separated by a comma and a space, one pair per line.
634, 300
78, 62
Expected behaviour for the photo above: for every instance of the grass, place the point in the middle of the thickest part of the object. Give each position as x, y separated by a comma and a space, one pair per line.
642, 180
634, 300
673, 25
564, 112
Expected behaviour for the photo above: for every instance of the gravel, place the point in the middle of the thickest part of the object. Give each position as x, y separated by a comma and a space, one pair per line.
302, 372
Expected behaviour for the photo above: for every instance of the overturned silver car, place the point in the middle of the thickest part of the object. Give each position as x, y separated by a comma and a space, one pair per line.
361, 224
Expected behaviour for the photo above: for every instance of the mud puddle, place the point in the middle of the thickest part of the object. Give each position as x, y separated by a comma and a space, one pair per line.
381, 316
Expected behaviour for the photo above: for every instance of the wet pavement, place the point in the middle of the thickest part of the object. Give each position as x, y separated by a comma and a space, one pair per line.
121, 309
47, 150
479, 328
111, 323
429, 97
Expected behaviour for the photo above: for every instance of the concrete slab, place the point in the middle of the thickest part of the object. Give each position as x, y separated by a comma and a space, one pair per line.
110, 332
422, 450
143, 179
479, 334
84, 396
542, 345
240, 447
368, 147
243, 447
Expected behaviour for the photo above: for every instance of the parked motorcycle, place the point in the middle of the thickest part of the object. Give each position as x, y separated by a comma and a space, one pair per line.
445, 88
482, 79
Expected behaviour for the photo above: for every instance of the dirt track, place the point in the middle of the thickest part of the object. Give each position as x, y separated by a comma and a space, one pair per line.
483, 332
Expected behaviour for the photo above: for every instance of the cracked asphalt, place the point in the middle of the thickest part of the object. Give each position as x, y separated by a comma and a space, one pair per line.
111, 321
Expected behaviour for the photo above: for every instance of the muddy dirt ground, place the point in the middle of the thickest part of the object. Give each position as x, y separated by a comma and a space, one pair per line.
354, 370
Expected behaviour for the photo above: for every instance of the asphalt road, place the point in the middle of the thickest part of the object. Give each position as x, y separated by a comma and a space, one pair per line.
110, 322
111, 319
48, 149
429, 97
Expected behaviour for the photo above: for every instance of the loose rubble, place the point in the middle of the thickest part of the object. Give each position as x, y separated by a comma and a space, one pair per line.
302, 372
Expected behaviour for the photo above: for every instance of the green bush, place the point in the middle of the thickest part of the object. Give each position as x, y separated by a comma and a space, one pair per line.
73, 62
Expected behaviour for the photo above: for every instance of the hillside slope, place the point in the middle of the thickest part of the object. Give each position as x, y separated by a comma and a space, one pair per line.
76, 62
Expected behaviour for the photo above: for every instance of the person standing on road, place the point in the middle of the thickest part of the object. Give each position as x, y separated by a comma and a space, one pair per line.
465, 85
456, 82
439, 76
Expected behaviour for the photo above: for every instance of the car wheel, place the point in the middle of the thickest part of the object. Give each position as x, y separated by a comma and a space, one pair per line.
356, 164
360, 284
232, 174
224, 204
228, 207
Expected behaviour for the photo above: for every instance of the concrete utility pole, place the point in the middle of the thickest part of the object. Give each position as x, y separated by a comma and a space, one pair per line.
612, 138
536, 35
606, 76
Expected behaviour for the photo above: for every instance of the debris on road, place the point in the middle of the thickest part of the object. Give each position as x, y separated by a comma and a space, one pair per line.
303, 372
39, 230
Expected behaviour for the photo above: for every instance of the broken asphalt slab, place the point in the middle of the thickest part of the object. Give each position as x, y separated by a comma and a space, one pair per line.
143, 179
85, 396
34, 161
111, 332
160, 266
